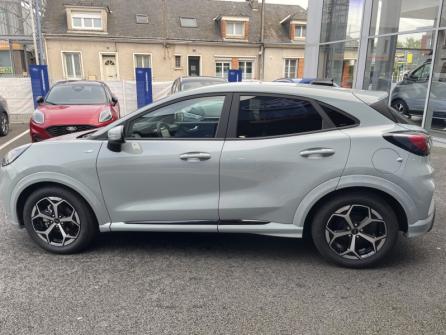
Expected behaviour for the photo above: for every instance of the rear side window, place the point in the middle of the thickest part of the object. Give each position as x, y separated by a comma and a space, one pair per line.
338, 118
383, 108
263, 116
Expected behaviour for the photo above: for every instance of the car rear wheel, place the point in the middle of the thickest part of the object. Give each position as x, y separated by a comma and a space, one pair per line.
4, 124
401, 107
355, 230
59, 221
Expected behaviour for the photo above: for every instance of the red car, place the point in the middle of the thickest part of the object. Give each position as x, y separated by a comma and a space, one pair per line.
72, 106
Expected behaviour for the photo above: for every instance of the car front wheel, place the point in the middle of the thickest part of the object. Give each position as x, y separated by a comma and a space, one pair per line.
355, 230
59, 221
4, 124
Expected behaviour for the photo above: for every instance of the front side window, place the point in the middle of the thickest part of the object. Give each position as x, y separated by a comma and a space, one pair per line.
422, 73
143, 60
72, 65
86, 21
235, 28
246, 68
193, 118
290, 68
263, 116
222, 69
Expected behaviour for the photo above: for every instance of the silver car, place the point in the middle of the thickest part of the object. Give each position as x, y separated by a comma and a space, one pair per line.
266, 158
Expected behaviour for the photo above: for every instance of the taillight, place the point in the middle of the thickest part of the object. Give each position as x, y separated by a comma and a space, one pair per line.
415, 142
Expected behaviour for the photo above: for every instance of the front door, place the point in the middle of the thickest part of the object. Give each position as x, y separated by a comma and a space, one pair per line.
277, 155
168, 169
194, 65
109, 68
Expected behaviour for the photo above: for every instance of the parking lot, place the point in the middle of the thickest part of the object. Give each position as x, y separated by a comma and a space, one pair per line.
220, 284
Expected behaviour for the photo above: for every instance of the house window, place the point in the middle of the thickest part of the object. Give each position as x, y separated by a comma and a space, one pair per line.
300, 31
188, 22
143, 60
86, 20
222, 69
72, 65
290, 68
235, 29
246, 67
177, 61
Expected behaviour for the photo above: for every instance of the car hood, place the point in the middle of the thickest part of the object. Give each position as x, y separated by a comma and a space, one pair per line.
72, 114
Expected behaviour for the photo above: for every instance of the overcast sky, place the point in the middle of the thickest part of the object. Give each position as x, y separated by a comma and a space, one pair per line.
302, 3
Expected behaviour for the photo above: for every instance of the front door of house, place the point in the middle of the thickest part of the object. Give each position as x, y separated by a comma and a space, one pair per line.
194, 65
109, 68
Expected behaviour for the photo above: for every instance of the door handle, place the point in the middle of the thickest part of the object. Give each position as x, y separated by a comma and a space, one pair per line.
315, 153
195, 156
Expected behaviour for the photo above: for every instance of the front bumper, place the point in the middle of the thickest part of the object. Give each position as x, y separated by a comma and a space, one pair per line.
6, 189
421, 227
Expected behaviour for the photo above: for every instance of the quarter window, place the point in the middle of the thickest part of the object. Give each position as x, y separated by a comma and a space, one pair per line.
339, 119
262, 116
193, 118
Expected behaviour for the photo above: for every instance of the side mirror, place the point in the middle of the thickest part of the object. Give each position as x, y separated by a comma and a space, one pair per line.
40, 100
114, 100
115, 138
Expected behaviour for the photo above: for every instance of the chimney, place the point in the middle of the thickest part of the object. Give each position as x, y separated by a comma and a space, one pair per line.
254, 4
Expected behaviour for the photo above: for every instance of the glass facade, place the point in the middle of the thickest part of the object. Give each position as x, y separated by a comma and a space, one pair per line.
396, 46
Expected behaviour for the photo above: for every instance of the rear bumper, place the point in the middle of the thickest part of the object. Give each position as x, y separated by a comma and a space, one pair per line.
421, 227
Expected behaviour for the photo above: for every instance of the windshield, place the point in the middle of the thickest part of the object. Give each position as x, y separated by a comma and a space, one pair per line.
200, 83
77, 94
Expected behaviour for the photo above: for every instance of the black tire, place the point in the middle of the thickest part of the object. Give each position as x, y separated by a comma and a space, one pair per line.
84, 232
401, 107
4, 124
331, 247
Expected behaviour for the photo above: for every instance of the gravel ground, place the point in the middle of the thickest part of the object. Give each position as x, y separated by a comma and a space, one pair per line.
212, 284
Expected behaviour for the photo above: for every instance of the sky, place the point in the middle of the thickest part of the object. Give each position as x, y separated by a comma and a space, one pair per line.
302, 3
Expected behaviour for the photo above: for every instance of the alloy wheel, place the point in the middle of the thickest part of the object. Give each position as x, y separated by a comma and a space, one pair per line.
355, 232
55, 221
3, 124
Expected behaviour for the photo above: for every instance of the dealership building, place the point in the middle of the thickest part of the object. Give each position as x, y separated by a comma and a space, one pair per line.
397, 46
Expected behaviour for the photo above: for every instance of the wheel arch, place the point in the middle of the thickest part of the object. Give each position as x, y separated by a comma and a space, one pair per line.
29, 189
394, 203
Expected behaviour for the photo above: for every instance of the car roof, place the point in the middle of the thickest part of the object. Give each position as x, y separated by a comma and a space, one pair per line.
311, 91
80, 82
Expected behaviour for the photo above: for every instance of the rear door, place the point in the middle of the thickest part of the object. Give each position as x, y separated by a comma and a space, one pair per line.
276, 152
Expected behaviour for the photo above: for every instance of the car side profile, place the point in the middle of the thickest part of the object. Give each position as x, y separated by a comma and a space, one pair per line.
409, 95
72, 106
274, 159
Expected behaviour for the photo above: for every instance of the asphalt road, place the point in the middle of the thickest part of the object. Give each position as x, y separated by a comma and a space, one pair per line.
221, 284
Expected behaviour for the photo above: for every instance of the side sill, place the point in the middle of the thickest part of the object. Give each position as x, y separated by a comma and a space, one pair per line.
269, 229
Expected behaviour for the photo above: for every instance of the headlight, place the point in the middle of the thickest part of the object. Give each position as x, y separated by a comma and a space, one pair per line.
38, 117
106, 115
14, 154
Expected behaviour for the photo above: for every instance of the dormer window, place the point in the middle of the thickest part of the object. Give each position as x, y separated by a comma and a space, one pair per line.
300, 31
86, 20
233, 27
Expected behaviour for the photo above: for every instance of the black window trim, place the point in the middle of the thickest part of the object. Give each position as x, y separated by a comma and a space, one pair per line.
340, 111
221, 128
231, 134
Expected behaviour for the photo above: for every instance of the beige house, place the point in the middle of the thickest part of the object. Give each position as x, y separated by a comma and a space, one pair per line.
107, 40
